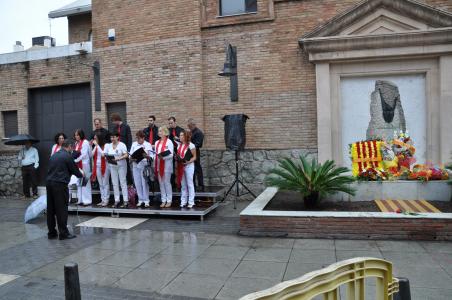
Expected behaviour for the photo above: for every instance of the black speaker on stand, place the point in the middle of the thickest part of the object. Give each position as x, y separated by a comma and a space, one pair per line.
235, 140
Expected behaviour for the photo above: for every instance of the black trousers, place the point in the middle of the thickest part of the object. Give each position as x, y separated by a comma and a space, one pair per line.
29, 179
57, 202
198, 177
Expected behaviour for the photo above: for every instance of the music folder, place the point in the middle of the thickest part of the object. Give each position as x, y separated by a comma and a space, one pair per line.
138, 154
164, 153
111, 159
188, 155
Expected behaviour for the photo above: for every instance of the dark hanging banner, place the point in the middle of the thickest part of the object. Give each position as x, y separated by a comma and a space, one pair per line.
97, 100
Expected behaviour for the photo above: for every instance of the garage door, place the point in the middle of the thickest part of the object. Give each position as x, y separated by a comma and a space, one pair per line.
57, 109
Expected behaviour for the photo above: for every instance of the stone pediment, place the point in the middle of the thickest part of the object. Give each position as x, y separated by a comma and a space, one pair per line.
381, 24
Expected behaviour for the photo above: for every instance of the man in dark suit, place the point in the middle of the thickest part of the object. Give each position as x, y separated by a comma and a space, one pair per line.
151, 132
125, 136
174, 130
61, 167
100, 131
197, 138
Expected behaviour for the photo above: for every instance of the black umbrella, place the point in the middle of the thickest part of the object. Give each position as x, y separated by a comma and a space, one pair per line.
21, 139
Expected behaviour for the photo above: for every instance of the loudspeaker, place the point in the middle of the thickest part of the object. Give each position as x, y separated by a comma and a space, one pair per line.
234, 131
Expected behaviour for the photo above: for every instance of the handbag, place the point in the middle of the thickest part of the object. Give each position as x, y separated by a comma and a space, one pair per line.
132, 195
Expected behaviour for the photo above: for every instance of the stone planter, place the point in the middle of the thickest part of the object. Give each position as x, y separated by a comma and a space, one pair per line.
255, 221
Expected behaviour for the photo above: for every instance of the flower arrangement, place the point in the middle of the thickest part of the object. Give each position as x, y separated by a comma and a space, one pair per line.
390, 160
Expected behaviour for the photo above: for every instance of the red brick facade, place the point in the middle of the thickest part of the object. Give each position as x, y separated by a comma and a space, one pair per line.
79, 27
166, 58
350, 228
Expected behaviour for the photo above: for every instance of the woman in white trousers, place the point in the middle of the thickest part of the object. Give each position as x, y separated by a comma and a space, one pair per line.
100, 170
118, 172
138, 166
83, 162
185, 169
164, 150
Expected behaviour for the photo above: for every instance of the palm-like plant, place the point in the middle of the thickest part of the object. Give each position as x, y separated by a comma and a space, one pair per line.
311, 179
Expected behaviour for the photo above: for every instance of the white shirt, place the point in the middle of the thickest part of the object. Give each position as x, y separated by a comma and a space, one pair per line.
98, 152
28, 157
191, 146
117, 152
85, 152
168, 159
53, 149
147, 148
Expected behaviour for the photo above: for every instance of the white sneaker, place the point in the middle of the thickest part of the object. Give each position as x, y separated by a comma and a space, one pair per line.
190, 205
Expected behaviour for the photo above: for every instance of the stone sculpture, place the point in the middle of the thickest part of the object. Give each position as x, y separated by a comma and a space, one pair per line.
386, 112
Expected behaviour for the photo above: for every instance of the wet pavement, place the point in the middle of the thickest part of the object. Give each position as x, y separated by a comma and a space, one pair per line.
169, 258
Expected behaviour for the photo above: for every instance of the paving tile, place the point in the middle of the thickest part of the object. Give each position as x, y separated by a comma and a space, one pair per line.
198, 238
195, 285
102, 274
401, 246
232, 252
314, 244
445, 261
168, 263
268, 254
115, 243
356, 245
273, 243
125, 259
145, 280
260, 269
347, 254
5, 278
185, 249
147, 246
55, 270
230, 240
298, 269
236, 287
89, 255
430, 294
409, 258
424, 276
313, 256
212, 266
435, 247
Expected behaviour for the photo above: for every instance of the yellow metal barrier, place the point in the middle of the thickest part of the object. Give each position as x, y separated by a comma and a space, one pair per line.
351, 273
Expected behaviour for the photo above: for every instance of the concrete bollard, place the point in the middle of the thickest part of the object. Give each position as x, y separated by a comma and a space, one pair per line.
404, 289
71, 282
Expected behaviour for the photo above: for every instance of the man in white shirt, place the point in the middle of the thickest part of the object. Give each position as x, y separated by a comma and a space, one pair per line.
29, 161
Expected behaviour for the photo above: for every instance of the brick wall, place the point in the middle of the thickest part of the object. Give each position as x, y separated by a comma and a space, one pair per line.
349, 228
79, 28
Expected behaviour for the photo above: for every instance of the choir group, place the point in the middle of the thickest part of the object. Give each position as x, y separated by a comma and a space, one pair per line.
167, 154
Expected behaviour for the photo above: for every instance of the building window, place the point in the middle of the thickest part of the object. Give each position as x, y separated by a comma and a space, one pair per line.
10, 124
237, 7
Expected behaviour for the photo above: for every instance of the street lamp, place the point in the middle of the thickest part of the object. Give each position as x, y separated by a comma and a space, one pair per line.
230, 70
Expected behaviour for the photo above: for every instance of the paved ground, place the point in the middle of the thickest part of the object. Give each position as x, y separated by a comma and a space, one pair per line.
166, 258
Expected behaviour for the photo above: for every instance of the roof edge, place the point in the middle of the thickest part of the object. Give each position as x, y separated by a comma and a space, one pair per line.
70, 12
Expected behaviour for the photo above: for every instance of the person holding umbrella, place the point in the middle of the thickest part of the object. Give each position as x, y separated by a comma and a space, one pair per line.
29, 162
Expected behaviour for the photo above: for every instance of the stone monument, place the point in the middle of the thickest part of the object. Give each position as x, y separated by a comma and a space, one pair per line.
386, 112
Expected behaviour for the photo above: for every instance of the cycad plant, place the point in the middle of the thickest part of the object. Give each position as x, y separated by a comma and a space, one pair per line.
312, 180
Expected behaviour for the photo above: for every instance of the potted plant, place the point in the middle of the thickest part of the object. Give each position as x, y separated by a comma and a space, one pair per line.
311, 179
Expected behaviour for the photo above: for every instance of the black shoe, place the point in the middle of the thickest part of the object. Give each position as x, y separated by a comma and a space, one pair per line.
52, 236
67, 236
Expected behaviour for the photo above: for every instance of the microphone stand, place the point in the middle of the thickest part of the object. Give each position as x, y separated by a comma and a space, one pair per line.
236, 182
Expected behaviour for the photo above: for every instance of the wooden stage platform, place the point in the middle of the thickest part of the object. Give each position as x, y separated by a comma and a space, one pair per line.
205, 202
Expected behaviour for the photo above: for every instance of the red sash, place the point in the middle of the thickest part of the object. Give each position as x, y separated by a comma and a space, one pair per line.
78, 147
151, 135
180, 165
103, 165
119, 132
160, 161
57, 148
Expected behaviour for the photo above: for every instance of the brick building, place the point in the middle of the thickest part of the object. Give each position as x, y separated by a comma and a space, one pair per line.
166, 55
